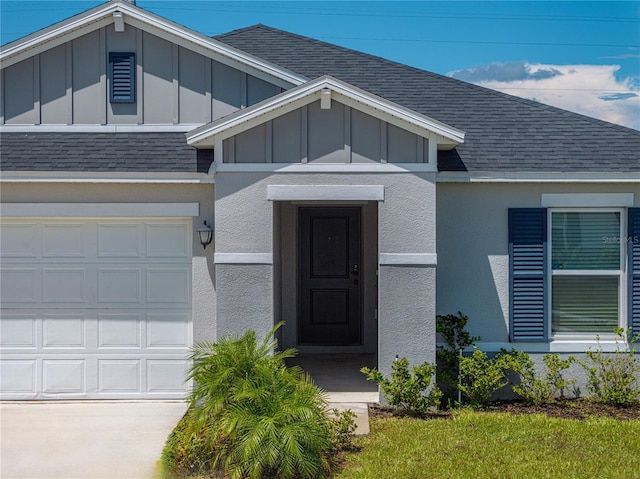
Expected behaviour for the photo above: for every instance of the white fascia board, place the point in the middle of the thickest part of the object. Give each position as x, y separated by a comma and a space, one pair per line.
234, 123
346, 168
99, 210
103, 15
104, 177
309, 92
59, 33
538, 177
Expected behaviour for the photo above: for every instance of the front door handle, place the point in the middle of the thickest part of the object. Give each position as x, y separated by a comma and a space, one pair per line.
355, 270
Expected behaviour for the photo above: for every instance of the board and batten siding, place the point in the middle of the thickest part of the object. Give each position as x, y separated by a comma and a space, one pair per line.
68, 84
337, 135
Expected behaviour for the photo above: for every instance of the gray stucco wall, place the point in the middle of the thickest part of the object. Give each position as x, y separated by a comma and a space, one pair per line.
473, 262
68, 84
340, 134
203, 281
406, 224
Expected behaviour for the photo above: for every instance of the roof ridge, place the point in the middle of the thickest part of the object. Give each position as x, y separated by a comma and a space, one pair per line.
531, 103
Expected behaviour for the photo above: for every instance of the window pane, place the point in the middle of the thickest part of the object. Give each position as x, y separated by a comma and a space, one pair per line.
583, 240
584, 304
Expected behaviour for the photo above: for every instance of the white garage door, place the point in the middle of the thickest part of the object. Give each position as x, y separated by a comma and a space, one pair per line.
95, 309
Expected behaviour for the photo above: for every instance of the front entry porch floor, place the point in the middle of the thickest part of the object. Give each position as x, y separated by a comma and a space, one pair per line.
339, 375
347, 388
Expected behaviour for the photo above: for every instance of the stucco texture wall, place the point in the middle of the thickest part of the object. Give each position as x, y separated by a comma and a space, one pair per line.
473, 262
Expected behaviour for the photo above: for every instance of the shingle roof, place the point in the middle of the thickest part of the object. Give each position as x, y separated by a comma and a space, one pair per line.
117, 152
503, 132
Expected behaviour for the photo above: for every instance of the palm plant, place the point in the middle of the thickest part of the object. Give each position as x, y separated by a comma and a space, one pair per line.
261, 419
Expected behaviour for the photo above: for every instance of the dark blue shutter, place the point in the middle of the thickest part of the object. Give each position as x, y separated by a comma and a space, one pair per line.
527, 274
633, 244
122, 76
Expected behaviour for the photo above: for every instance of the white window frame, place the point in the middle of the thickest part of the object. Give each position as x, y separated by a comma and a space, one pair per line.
621, 273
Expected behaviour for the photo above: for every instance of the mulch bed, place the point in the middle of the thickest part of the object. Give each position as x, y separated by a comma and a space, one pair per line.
562, 408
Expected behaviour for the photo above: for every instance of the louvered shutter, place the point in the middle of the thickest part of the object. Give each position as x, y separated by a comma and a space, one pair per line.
122, 76
633, 244
527, 274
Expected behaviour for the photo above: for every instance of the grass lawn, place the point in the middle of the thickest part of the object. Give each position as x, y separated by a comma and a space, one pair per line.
479, 445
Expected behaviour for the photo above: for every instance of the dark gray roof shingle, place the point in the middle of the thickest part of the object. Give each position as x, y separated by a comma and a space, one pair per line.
115, 152
503, 132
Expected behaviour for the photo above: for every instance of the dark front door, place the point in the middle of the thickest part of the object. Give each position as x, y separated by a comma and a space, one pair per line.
330, 276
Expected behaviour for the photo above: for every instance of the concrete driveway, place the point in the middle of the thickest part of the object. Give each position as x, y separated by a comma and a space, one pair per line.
84, 439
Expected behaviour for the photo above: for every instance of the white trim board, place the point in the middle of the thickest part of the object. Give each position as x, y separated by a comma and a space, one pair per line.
408, 259
617, 200
325, 192
217, 167
99, 210
537, 177
243, 258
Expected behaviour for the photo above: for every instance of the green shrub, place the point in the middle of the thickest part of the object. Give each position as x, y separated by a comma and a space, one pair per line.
481, 376
186, 453
540, 390
612, 378
344, 426
410, 391
457, 339
251, 416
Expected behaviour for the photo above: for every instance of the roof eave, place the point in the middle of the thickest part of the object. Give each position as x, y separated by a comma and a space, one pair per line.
103, 15
242, 120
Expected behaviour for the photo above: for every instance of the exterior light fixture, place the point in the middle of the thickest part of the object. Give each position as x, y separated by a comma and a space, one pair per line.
205, 232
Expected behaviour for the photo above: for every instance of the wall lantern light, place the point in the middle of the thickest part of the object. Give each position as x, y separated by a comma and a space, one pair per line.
205, 232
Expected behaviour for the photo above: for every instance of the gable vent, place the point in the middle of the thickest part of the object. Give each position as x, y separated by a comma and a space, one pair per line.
122, 77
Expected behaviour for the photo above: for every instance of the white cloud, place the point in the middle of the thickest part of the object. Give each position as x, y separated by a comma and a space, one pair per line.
591, 90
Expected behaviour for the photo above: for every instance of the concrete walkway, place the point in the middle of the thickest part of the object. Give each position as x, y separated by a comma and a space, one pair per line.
84, 439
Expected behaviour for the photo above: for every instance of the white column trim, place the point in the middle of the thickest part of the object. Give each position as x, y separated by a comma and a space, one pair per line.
243, 258
101, 210
408, 259
325, 192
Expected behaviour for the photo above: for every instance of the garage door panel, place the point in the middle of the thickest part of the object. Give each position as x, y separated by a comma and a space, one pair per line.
168, 240
166, 375
18, 331
64, 331
64, 285
95, 308
119, 240
19, 241
119, 376
119, 285
18, 376
19, 285
169, 285
168, 331
64, 240
63, 376
119, 330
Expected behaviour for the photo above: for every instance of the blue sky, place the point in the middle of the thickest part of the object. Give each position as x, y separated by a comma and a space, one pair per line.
583, 56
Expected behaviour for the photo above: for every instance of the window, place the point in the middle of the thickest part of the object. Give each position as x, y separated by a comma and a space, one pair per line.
573, 272
586, 271
122, 77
